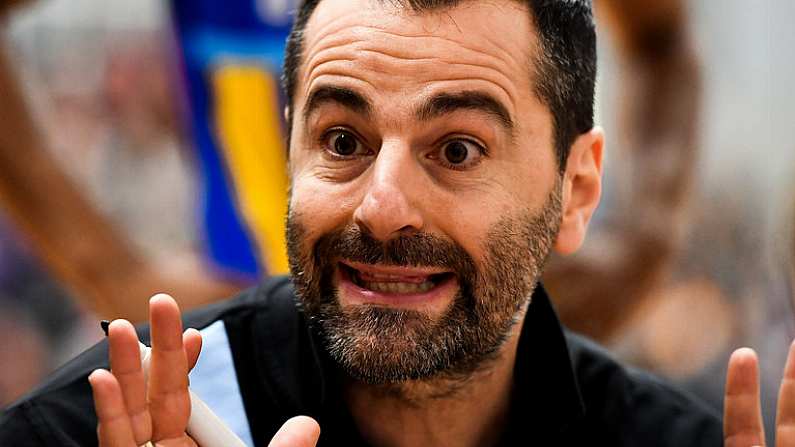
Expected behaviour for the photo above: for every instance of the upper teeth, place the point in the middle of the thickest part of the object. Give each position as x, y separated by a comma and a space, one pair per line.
398, 287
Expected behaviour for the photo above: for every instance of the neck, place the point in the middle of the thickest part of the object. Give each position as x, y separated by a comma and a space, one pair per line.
461, 411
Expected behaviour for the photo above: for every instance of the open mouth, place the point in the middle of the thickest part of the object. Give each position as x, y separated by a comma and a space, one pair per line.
403, 282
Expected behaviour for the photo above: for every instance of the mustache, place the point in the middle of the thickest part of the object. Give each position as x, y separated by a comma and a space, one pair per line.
417, 249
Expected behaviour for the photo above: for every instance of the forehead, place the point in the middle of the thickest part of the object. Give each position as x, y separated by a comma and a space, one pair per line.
383, 47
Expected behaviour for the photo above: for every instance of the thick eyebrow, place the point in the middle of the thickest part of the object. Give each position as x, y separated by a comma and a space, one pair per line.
445, 103
342, 96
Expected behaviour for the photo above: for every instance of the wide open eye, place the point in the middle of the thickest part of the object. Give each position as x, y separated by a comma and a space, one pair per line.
343, 144
460, 153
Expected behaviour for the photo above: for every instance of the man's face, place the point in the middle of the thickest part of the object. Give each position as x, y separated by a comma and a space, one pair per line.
425, 193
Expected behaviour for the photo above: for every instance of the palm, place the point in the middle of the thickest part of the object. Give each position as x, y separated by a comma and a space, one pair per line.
132, 411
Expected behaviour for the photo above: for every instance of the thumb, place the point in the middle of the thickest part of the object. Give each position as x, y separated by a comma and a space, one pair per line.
300, 431
192, 340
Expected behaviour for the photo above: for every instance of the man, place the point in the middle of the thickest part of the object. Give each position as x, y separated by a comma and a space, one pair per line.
439, 151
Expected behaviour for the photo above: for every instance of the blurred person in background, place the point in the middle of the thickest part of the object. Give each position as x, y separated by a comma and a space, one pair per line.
29, 354
659, 111
97, 182
96, 187
630, 294
82, 247
37, 319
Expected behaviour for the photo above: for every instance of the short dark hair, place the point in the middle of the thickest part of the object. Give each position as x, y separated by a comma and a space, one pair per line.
565, 69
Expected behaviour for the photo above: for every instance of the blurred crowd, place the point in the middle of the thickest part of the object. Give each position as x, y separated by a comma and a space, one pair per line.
689, 258
102, 94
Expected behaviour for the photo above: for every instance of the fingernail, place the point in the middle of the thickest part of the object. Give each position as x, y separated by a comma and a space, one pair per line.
160, 296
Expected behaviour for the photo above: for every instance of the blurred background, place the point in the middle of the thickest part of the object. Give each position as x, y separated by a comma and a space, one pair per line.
141, 149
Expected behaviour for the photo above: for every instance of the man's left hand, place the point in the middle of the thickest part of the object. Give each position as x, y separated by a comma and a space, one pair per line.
742, 411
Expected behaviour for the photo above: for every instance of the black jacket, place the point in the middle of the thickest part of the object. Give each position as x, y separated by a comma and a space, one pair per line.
261, 364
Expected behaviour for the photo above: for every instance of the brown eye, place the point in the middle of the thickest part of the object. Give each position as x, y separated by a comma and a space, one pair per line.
343, 143
456, 152
461, 153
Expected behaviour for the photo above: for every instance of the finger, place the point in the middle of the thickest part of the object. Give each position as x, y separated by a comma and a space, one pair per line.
785, 413
300, 431
192, 339
114, 429
169, 402
184, 441
742, 420
125, 363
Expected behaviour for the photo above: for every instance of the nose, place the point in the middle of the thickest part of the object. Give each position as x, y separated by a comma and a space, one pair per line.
389, 206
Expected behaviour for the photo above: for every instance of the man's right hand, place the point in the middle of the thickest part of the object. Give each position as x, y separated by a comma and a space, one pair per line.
132, 411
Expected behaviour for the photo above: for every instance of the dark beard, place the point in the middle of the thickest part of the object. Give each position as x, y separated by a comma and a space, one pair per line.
382, 346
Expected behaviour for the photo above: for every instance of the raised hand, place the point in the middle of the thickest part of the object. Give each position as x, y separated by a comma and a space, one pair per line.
742, 420
132, 412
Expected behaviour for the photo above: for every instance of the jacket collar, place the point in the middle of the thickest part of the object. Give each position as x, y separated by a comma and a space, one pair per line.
545, 384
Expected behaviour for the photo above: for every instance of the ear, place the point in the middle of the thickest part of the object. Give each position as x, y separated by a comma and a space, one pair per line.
286, 114
582, 189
